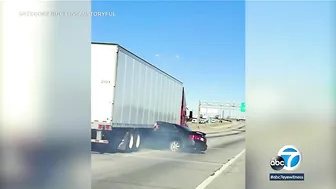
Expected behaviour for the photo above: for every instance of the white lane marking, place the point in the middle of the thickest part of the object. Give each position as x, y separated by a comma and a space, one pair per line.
214, 135
208, 180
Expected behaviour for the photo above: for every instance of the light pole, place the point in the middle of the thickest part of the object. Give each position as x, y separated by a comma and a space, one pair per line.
199, 113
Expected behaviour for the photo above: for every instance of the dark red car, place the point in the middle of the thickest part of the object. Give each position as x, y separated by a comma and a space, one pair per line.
178, 138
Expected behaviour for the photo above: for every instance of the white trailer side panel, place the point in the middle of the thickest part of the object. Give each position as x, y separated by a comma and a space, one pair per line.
144, 94
103, 73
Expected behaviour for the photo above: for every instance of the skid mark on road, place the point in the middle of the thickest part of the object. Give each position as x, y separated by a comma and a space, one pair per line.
179, 160
135, 185
141, 153
149, 168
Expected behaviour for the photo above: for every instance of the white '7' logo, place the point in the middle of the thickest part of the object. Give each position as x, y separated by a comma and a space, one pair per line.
289, 156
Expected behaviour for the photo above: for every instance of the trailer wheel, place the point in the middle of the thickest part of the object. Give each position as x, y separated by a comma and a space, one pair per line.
126, 143
130, 142
137, 142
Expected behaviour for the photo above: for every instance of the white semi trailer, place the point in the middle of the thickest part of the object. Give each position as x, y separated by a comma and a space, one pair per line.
128, 95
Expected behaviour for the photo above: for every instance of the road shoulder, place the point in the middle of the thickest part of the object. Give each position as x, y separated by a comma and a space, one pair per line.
232, 177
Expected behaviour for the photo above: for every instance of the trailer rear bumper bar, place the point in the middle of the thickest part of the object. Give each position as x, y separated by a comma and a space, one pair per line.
100, 141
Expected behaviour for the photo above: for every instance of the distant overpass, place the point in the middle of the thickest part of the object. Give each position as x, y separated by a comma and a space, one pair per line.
221, 109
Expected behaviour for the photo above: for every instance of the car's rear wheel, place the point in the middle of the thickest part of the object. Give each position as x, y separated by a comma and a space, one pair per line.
175, 146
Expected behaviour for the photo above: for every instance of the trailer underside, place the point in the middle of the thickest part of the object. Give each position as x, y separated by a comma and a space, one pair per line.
118, 139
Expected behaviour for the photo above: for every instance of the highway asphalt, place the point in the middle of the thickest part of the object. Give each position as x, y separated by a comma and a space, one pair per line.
155, 169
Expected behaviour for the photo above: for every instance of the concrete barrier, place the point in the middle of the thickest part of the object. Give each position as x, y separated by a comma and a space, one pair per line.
212, 126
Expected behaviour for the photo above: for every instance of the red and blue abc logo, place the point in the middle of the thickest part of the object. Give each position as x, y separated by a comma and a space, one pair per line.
288, 158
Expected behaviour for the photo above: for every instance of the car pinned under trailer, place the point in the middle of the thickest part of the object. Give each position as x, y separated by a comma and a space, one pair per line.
128, 96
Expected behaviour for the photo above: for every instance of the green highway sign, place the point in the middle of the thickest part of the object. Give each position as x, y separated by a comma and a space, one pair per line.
242, 107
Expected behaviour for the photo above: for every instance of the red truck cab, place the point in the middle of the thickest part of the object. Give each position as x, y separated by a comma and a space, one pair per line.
183, 118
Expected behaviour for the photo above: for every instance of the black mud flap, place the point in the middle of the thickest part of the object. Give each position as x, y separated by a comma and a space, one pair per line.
100, 148
111, 136
124, 143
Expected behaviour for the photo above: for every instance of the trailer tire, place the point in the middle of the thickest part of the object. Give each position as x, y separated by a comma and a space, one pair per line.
137, 142
129, 141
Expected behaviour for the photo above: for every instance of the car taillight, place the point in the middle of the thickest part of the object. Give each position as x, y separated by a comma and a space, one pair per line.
195, 137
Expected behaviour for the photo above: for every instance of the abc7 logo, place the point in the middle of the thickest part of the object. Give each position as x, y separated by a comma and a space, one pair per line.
277, 163
289, 159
